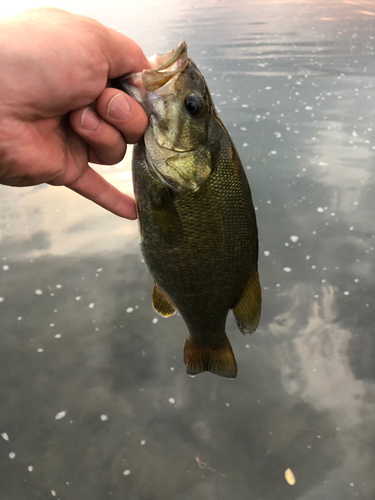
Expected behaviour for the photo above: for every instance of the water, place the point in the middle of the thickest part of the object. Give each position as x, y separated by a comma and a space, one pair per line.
95, 401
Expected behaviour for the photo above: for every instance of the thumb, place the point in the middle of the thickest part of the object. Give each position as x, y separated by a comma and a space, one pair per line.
122, 53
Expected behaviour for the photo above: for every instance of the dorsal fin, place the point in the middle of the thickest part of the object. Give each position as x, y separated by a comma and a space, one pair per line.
247, 309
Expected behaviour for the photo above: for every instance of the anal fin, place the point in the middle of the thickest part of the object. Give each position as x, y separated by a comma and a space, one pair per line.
247, 310
218, 360
161, 302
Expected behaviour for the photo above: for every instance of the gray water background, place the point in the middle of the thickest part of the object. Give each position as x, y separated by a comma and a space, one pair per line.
294, 84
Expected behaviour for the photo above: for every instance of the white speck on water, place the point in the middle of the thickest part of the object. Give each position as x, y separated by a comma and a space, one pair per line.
351, 484
266, 253
294, 238
155, 320
143, 442
244, 105
226, 404
99, 270
58, 336
308, 257
287, 269
346, 293
38, 292
351, 228
126, 472
30, 468
52, 325
103, 418
92, 305
172, 369
58, 286
1, 299
40, 350
245, 144
172, 401
60, 415
247, 346
289, 477
78, 298
53, 493
320, 209
5, 436
129, 310
6, 267
273, 152
12, 455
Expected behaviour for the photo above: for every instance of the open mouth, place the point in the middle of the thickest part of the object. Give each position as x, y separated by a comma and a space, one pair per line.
167, 66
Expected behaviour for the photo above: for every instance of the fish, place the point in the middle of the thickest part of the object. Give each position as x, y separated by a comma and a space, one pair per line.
197, 224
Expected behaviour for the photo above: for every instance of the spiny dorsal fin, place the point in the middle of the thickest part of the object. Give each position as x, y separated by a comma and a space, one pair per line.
247, 309
219, 361
161, 303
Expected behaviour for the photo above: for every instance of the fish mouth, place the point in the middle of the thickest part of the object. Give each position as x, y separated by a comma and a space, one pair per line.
166, 67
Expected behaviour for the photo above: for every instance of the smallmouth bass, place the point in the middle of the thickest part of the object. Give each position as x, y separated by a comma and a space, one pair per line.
198, 231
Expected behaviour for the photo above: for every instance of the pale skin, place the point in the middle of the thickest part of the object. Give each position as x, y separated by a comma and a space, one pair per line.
56, 111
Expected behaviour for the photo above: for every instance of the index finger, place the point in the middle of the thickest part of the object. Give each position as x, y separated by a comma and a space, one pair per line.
94, 187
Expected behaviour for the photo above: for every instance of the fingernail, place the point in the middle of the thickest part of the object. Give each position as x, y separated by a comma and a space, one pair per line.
89, 119
118, 107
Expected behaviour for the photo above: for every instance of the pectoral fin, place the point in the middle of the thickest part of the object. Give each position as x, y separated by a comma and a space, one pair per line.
247, 309
165, 216
161, 303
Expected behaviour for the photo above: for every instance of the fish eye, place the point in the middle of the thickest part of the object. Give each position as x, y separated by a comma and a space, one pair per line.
193, 104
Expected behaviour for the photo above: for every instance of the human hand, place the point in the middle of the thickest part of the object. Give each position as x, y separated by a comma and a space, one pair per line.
56, 114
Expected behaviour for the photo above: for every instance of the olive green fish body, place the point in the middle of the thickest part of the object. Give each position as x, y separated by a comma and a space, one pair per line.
201, 247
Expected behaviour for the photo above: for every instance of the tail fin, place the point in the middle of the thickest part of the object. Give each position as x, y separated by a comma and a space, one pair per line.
219, 361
